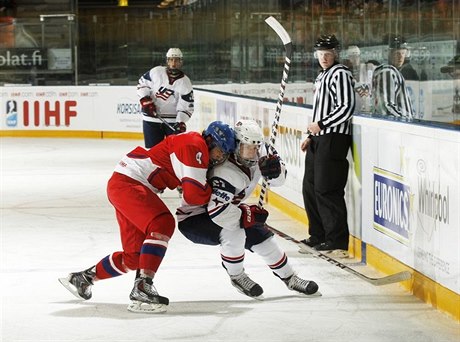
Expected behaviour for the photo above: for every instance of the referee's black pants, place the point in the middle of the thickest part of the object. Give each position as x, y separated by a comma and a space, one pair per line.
326, 173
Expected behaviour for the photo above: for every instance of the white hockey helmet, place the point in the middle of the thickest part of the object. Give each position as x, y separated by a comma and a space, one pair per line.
249, 137
174, 53
353, 50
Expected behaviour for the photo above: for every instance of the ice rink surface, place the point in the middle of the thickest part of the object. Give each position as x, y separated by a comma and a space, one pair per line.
55, 219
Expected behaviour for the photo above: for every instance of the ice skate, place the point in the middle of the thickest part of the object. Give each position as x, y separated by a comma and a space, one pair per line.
246, 285
308, 287
79, 283
145, 298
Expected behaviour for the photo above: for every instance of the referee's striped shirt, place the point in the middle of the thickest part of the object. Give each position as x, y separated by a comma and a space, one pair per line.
389, 93
334, 100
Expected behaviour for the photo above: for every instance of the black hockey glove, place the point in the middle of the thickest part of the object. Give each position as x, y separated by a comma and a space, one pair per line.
270, 166
148, 107
251, 215
180, 127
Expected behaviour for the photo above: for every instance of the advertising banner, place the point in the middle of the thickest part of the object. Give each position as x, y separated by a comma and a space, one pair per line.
96, 108
410, 196
23, 58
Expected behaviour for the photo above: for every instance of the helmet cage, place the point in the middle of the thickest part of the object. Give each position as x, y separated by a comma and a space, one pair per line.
327, 42
249, 138
247, 154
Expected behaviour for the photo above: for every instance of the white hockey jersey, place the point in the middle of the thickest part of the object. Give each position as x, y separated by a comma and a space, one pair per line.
231, 185
173, 96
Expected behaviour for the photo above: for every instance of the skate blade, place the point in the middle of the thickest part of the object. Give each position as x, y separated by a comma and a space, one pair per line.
141, 307
70, 287
316, 294
260, 297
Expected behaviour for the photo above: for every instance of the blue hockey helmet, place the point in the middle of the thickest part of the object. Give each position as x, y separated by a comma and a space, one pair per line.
219, 134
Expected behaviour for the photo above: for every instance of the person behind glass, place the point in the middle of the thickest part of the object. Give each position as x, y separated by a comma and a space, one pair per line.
453, 69
166, 92
326, 147
145, 222
353, 61
389, 91
361, 75
408, 71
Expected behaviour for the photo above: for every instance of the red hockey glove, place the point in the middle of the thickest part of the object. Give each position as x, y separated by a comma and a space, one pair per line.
148, 107
180, 127
251, 215
270, 166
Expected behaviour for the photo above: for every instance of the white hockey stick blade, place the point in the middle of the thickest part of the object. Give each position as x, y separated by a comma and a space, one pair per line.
281, 32
390, 279
279, 29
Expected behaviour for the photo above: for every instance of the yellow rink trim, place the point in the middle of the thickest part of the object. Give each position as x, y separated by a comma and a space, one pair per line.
421, 286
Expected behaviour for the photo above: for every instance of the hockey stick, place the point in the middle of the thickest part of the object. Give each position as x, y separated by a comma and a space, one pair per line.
393, 278
281, 32
158, 116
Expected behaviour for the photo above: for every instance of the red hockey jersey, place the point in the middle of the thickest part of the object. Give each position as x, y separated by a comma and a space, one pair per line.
181, 159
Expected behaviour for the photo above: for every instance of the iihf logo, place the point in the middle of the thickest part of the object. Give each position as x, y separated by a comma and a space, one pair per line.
11, 113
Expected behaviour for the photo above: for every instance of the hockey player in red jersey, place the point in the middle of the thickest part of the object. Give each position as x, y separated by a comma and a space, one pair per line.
167, 92
234, 225
146, 224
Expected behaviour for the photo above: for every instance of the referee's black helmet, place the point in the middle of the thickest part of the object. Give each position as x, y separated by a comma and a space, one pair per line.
327, 42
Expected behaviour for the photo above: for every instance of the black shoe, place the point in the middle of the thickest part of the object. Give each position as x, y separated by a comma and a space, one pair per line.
311, 241
328, 246
325, 246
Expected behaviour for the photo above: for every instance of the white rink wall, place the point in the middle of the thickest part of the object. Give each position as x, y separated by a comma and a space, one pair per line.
403, 192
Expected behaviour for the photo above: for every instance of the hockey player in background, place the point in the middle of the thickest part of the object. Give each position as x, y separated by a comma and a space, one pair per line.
235, 225
167, 92
146, 224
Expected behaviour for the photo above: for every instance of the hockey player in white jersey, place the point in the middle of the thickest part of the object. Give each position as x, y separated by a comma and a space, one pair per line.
234, 225
167, 92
